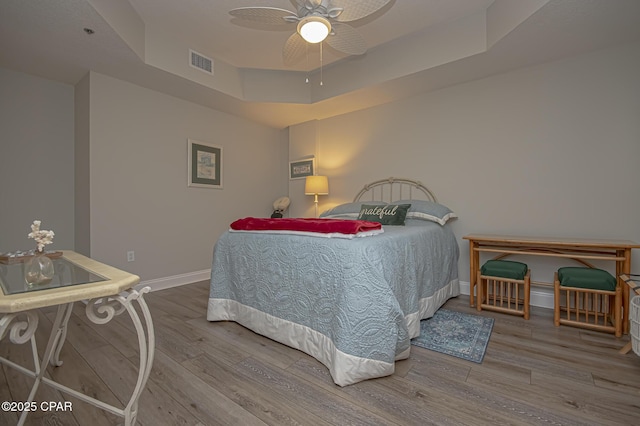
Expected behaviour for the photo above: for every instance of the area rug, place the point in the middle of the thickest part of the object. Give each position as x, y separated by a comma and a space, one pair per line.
455, 333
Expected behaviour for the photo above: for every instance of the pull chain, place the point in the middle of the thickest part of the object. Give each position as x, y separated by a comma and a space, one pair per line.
321, 43
306, 51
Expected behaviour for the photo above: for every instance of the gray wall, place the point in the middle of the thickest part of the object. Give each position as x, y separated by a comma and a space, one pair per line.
130, 165
36, 160
550, 150
82, 165
138, 178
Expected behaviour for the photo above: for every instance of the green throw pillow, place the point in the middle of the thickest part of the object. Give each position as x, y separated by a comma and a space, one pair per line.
390, 214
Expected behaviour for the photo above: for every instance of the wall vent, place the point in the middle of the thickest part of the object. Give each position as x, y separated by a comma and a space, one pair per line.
201, 62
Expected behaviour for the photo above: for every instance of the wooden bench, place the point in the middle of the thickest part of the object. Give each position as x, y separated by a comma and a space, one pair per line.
618, 251
504, 286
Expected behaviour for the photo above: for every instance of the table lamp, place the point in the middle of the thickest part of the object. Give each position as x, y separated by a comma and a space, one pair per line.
316, 185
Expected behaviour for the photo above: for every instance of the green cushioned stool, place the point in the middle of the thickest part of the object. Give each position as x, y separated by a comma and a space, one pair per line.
595, 279
504, 286
505, 269
588, 298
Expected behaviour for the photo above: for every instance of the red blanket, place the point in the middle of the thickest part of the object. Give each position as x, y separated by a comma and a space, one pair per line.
323, 226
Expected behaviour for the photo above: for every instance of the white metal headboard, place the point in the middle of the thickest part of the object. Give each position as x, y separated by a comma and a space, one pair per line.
394, 189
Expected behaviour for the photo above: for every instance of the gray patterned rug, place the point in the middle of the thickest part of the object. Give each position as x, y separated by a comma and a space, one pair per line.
455, 333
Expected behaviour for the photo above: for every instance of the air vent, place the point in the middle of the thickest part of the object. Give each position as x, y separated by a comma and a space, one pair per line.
200, 62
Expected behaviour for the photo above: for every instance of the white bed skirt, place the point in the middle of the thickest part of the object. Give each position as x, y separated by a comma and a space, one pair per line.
345, 369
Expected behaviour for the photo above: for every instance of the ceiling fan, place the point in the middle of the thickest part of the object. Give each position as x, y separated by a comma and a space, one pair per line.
317, 20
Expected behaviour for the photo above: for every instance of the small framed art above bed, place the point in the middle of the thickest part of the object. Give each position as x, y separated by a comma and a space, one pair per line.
352, 299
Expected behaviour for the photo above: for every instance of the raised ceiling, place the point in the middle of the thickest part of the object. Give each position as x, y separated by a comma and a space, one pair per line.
414, 46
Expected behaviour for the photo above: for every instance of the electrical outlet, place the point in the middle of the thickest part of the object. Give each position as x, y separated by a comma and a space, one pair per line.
131, 256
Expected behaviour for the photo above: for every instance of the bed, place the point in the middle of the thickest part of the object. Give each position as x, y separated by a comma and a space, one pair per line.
354, 304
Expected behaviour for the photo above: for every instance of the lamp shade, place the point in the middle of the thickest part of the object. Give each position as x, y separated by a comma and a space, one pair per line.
316, 185
314, 29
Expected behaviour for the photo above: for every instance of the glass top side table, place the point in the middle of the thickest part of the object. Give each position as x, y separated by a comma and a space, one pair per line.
93, 280
108, 292
12, 277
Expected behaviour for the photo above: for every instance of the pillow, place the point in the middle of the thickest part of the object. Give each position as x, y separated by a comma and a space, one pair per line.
390, 214
420, 209
428, 210
345, 210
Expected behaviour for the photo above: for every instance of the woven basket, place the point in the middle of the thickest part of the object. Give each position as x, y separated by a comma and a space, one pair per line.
634, 317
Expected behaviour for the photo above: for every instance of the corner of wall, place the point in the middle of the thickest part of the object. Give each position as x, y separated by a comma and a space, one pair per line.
82, 176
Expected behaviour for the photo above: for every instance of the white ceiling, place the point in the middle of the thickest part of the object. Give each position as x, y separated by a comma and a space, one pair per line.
414, 46
247, 45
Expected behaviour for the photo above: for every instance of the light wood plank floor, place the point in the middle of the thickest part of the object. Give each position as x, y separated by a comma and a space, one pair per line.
223, 374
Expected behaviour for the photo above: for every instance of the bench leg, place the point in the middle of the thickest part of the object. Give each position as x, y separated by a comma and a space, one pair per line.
556, 300
617, 314
527, 294
479, 288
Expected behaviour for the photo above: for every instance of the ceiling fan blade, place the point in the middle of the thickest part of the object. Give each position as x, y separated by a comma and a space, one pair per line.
294, 49
346, 39
297, 3
306, 4
311, 4
357, 9
263, 15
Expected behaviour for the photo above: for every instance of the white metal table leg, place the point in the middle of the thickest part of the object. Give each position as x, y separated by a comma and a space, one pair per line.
55, 360
59, 325
21, 331
101, 311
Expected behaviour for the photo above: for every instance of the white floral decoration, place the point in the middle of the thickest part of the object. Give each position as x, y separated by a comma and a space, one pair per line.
42, 237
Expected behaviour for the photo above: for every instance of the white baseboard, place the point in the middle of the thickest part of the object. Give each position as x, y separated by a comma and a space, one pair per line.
176, 280
538, 297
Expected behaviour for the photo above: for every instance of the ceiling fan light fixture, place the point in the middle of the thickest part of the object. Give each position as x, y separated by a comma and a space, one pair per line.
314, 29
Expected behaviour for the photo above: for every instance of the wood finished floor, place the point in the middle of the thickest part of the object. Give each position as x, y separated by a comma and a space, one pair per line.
223, 374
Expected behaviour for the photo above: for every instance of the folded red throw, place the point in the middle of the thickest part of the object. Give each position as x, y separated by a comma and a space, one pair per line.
324, 226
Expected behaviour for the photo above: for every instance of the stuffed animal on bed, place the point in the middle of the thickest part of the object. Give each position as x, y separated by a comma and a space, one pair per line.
280, 206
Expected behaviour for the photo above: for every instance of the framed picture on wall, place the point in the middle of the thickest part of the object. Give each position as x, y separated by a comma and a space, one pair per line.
204, 165
301, 168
